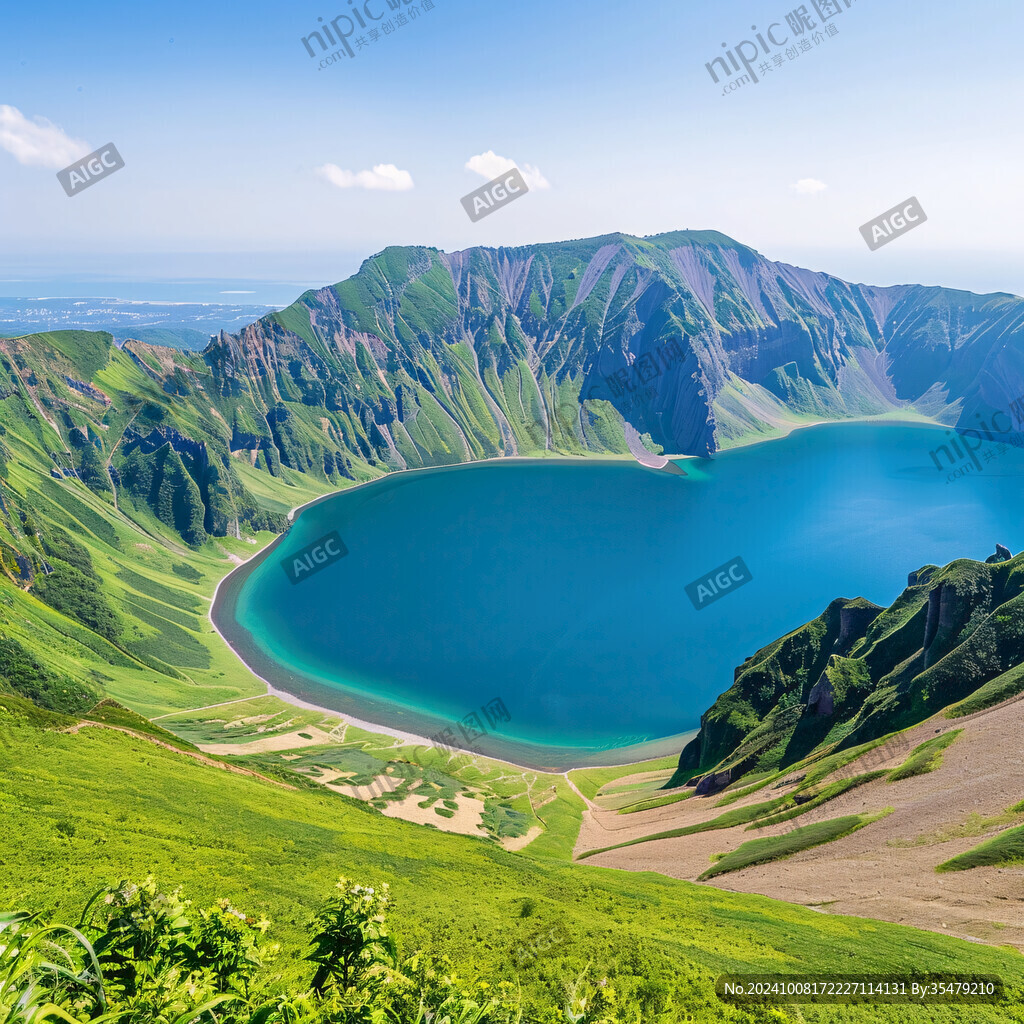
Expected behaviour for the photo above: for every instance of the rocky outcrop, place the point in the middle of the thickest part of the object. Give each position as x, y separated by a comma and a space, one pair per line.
1002, 555
159, 436
821, 699
874, 670
854, 619
713, 783
87, 389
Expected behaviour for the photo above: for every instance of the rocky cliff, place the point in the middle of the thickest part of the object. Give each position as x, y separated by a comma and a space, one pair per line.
859, 671
681, 343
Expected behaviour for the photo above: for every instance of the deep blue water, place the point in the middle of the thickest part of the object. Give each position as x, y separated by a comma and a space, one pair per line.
559, 586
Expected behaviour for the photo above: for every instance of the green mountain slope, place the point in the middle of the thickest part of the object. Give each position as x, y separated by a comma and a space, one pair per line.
426, 358
93, 807
858, 671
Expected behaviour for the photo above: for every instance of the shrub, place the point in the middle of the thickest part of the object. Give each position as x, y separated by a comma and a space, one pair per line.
140, 956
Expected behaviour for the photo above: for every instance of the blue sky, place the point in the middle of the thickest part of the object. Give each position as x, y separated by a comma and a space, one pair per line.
223, 121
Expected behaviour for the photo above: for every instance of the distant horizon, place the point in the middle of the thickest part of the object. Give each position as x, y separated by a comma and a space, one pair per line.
277, 279
280, 169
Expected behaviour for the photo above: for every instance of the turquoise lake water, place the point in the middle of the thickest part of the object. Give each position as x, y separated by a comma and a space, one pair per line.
559, 586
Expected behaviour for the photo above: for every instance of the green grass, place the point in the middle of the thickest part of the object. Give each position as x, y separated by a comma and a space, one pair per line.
809, 794
244, 721
995, 691
924, 758
973, 825
109, 712
819, 768
1003, 850
590, 781
95, 807
364, 757
561, 819
761, 851
817, 798
732, 795
740, 816
658, 801
770, 812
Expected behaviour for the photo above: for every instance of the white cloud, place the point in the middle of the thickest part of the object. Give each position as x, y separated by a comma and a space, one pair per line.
38, 142
809, 186
383, 177
490, 165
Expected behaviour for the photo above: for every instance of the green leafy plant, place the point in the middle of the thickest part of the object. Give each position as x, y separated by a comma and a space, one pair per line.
46, 972
351, 942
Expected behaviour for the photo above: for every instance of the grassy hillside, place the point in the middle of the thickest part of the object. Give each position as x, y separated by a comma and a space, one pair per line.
97, 806
116, 524
953, 639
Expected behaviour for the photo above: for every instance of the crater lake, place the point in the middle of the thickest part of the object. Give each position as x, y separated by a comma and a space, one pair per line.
559, 586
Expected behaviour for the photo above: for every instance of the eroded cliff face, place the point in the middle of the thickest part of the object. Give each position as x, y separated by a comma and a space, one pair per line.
689, 336
686, 340
859, 671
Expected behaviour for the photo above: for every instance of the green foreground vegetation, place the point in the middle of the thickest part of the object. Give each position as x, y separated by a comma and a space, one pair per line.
92, 808
138, 955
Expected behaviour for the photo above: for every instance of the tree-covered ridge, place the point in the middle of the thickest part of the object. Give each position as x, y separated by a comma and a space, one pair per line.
954, 636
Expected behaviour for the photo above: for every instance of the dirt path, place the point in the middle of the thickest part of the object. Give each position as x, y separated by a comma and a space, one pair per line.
209, 707
572, 785
886, 870
202, 758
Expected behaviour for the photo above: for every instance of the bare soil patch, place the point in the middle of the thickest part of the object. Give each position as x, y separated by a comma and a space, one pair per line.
883, 871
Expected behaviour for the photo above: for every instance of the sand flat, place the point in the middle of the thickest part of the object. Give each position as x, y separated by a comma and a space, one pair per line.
466, 818
273, 742
878, 871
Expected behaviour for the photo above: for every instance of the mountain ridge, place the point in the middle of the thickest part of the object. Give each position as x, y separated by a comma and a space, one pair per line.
954, 639
690, 339
681, 342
